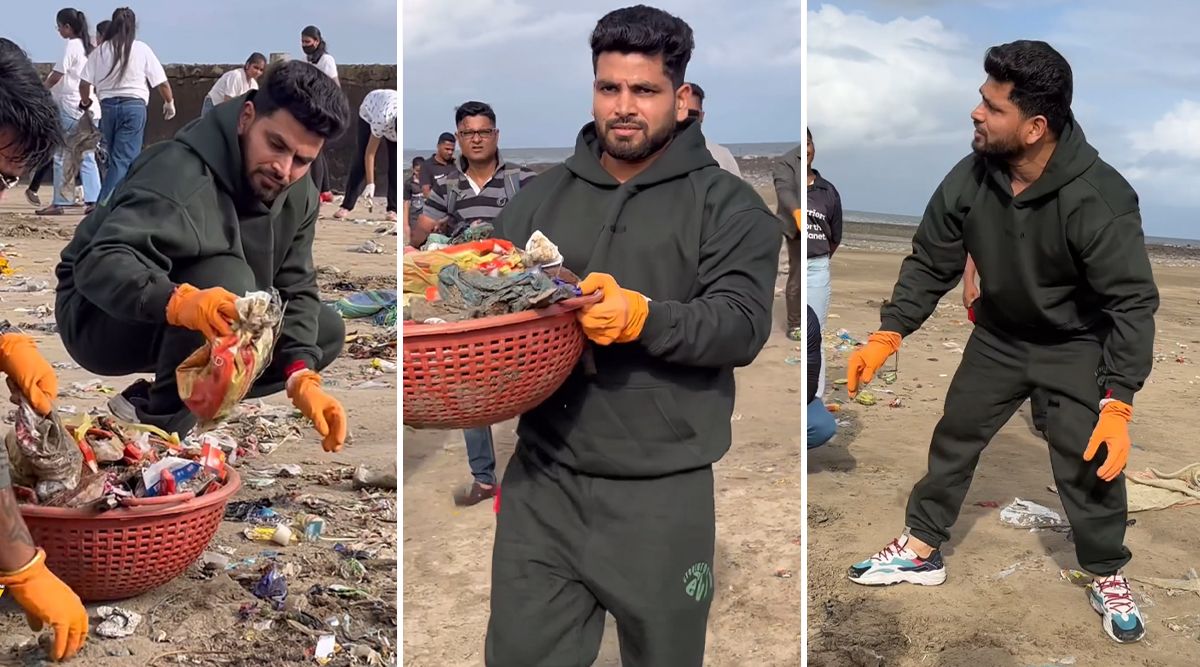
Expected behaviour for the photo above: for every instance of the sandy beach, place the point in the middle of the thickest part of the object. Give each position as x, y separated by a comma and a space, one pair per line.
1004, 603
203, 618
755, 616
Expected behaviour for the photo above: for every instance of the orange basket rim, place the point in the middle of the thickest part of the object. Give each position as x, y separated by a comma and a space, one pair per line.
233, 483
413, 330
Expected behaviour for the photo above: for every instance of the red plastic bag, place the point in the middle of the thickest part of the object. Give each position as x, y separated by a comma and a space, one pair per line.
216, 377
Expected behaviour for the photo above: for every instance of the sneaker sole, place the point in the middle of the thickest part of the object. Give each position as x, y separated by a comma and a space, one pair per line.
933, 578
1106, 623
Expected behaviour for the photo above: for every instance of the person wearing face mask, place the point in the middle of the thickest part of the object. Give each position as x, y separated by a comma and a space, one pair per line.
607, 501
235, 82
316, 50
64, 81
222, 209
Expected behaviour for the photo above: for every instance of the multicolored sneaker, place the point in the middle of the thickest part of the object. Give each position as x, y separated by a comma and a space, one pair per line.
898, 564
1112, 599
796, 334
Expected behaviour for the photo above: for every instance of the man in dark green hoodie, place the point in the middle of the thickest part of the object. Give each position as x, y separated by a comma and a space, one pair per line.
1068, 312
607, 503
222, 209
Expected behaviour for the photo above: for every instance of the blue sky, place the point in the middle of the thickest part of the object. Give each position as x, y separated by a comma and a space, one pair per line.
530, 60
892, 83
221, 31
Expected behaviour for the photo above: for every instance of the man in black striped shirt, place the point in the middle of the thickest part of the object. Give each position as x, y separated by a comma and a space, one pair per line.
475, 193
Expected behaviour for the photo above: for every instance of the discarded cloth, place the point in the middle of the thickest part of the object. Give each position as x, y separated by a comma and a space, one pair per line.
1154, 490
84, 138
464, 295
365, 303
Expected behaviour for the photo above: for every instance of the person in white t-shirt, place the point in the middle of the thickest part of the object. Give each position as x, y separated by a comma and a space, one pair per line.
376, 123
315, 50
235, 82
123, 70
63, 83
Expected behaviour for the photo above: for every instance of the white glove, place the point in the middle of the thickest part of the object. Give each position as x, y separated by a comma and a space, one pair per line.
368, 191
168, 110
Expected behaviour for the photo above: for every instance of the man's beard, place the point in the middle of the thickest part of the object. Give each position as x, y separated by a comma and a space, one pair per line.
635, 150
266, 196
997, 150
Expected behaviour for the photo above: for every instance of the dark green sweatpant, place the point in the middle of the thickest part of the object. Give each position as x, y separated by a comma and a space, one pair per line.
570, 547
996, 375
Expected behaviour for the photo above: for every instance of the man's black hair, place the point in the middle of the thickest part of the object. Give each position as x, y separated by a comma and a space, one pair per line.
26, 109
418, 161
446, 136
307, 93
809, 133
648, 31
697, 91
472, 108
1041, 78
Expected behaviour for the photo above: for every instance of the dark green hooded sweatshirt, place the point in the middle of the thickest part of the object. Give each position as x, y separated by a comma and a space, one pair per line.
1064, 260
702, 245
186, 199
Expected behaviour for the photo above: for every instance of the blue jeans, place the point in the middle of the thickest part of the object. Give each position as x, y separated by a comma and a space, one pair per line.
89, 171
123, 128
481, 454
206, 106
821, 425
819, 293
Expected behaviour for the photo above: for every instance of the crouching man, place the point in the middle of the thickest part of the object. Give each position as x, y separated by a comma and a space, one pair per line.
222, 209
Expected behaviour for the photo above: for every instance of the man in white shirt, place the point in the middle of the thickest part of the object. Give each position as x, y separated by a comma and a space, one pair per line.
235, 82
722, 155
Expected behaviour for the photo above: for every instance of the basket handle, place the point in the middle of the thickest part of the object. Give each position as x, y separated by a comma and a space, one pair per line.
158, 501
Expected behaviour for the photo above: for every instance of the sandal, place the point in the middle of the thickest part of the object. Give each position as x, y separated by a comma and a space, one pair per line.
50, 210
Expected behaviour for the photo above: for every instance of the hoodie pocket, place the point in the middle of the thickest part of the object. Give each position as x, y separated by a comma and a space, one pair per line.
643, 414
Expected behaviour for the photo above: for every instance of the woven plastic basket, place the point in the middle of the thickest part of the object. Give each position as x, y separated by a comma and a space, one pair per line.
130, 550
488, 370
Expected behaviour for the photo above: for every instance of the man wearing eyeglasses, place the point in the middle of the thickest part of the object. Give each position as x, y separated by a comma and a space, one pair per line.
29, 135
474, 194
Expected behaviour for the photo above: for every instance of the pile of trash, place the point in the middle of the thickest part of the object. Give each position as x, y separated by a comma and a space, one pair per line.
483, 278
100, 461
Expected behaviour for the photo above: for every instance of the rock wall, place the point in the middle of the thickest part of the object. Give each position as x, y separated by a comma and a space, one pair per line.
191, 83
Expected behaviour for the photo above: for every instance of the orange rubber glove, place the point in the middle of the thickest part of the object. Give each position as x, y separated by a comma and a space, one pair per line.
868, 359
798, 216
619, 317
48, 601
208, 311
1113, 429
326, 413
29, 371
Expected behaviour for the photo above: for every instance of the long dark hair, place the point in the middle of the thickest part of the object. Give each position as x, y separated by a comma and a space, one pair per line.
120, 35
313, 32
102, 31
77, 22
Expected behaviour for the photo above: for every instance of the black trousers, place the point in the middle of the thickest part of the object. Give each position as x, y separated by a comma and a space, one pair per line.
358, 170
797, 272
996, 375
35, 181
320, 172
571, 546
108, 346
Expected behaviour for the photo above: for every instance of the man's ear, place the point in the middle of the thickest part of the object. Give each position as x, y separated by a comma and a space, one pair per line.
682, 95
246, 117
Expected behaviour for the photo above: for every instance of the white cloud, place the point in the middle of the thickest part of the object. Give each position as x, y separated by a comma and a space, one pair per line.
1176, 133
433, 27
903, 82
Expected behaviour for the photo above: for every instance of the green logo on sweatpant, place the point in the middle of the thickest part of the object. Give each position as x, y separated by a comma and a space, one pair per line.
698, 581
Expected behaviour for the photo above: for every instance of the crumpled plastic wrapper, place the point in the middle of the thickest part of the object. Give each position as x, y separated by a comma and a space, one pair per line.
216, 377
117, 622
540, 251
42, 454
